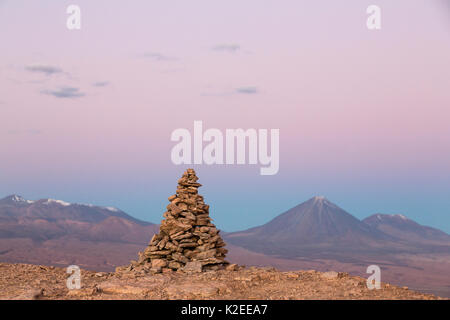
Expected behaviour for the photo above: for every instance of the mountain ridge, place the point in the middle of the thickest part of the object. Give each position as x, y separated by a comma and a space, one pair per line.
53, 233
319, 228
404, 228
56, 232
92, 213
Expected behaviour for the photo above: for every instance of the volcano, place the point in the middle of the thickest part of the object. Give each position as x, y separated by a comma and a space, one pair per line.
315, 228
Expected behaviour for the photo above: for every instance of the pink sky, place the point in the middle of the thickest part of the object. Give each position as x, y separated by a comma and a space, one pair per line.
356, 108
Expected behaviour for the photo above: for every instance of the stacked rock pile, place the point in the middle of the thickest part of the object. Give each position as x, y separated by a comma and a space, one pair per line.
187, 238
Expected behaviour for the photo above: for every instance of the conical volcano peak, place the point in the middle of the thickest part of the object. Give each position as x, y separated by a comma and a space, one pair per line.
321, 200
314, 222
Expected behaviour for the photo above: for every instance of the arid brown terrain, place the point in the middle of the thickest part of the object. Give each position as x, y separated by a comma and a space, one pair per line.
56, 233
22, 281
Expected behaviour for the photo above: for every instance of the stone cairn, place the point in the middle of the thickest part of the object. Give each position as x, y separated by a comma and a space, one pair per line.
187, 238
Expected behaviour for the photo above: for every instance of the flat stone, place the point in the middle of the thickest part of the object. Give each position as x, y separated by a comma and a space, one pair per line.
172, 226
119, 287
202, 222
188, 244
83, 292
193, 266
179, 257
175, 265
173, 208
205, 254
232, 267
292, 275
159, 263
212, 261
330, 275
188, 215
189, 290
161, 253
180, 235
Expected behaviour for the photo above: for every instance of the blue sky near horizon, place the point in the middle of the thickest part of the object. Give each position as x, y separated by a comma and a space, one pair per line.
233, 210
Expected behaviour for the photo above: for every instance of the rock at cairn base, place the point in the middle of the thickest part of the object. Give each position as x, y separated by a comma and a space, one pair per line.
187, 237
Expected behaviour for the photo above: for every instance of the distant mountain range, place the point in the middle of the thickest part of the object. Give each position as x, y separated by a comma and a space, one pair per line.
400, 227
49, 231
315, 234
318, 228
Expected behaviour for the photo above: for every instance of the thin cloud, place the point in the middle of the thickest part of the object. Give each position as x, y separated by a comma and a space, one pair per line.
227, 48
158, 56
45, 69
214, 92
65, 92
101, 84
34, 131
247, 90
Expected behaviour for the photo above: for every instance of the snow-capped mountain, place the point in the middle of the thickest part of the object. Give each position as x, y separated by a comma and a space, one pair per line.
319, 228
58, 232
399, 226
15, 207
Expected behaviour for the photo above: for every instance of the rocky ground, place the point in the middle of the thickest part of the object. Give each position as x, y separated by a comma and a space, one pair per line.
22, 281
